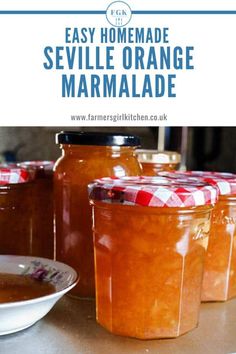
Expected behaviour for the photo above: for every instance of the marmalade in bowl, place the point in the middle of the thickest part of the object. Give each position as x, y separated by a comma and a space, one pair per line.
18, 287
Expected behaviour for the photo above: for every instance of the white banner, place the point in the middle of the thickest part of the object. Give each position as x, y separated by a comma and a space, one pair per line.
117, 63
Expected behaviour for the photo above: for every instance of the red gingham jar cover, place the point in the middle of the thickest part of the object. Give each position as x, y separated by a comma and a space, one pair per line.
152, 191
225, 182
13, 175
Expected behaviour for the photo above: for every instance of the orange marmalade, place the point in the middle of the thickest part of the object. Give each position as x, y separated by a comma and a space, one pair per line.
85, 156
219, 280
42, 207
150, 241
15, 211
154, 161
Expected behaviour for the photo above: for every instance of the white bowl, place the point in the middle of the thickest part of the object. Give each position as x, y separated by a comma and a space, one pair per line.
19, 315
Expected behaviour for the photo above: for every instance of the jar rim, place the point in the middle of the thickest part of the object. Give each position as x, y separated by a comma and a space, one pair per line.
38, 168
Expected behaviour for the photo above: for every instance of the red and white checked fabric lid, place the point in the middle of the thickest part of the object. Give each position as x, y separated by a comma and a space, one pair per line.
13, 175
225, 182
152, 191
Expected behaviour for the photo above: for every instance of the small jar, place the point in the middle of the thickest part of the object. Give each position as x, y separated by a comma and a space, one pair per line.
85, 156
42, 196
154, 161
219, 280
150, 239
15, 211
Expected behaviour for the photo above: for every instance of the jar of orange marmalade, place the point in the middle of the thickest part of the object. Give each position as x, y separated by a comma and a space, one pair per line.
42, 196
219, 280
154, 161
15, 211
150, 239
85, 156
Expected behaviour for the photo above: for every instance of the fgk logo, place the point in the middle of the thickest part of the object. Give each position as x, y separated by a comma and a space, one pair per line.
118, 14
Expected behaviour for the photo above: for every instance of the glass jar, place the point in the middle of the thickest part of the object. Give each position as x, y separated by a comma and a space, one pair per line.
154, 161
219, 280
150, 241
85, 156
42, 196
15, 211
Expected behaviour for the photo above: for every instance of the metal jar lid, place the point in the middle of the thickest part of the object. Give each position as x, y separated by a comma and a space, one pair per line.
97, 139
160, 157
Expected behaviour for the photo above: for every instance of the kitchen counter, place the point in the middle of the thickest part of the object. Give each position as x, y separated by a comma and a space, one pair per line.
70, 328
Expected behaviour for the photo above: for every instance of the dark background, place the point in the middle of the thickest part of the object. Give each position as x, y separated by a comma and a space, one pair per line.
207, 148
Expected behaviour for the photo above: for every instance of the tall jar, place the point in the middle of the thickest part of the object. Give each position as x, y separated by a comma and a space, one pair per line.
85, 156
150, 240
15, 211
42, 209
154, 161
